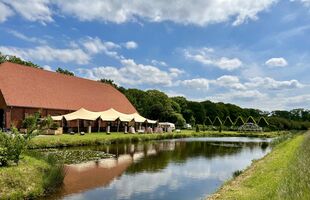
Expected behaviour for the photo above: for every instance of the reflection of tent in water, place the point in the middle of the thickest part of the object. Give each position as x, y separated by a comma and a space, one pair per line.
94, 174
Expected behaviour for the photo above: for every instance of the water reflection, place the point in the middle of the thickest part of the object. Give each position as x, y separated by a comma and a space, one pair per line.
171, 169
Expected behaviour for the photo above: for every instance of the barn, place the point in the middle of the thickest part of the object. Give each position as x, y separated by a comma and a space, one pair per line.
26, 90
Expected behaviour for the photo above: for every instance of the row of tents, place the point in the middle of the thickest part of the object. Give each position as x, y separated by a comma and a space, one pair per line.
109, 115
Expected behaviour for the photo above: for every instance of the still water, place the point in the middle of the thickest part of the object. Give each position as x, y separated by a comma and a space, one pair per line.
191, 168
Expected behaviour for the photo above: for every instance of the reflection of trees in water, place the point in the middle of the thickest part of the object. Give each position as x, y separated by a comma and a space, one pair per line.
186, 150
158, 154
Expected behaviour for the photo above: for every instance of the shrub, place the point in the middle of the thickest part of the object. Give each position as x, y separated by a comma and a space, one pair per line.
12, 146
54, 126
3, 156
237, 173
197, 128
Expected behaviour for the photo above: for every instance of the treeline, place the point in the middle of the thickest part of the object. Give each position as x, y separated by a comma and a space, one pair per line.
14, 59
157, 105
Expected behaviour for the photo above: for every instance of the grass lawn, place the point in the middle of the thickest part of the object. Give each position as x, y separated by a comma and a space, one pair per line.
24, 180
102, 138
267, 178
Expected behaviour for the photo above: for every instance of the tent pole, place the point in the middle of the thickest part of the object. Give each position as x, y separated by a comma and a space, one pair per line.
78, 121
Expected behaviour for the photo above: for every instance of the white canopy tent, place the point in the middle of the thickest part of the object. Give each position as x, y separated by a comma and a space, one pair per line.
109, 115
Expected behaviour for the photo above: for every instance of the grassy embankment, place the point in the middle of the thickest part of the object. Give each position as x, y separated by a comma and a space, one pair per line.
30, 179
282, 174
66, 140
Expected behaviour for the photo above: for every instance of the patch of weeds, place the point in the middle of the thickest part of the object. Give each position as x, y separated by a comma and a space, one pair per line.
237, 173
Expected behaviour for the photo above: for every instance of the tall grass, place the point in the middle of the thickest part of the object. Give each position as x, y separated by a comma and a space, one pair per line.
296, 183
54, 175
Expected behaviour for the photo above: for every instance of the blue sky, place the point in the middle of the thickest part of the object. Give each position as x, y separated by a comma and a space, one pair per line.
251, 53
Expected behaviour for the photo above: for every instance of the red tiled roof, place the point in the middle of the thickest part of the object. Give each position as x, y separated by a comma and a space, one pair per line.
24, 86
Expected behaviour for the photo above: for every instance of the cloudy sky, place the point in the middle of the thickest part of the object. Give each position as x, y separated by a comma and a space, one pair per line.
248, 52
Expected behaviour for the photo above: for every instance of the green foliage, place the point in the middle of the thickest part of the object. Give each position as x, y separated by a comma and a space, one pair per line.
197, 128
178, 119
3, 156
251, 120
12, 146
262, 122
47, 122
14, 59
228, 122
208, 121
108, 81
239, 121
64, 71
55, 126
217, 121
237, 173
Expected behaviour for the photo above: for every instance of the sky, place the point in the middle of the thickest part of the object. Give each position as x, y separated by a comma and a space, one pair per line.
255, 54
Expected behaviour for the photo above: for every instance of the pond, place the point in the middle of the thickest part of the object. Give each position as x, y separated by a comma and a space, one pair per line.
190, 168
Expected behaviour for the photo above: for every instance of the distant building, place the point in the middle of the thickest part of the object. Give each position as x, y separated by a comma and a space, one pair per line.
25, 90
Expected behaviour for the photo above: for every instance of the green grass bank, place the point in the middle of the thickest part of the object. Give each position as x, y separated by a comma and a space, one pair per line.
30, 179
67, 140
282, 174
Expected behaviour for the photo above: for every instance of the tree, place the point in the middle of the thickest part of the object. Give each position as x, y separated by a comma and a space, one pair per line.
218, 122
198, 111
197, 128
208, 121
228, 122
262, 122
251, 120
64, 71
14, 59
239, 121
178, 119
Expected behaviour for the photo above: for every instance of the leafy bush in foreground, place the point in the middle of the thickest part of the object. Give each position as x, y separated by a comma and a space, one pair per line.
11, 147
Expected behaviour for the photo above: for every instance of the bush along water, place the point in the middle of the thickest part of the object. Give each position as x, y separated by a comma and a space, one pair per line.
11, 147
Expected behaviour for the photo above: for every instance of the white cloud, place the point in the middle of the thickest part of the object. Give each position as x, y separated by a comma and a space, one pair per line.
96, 45
196, 83
131, 45
182, 11
32, 10
200, 13
48, 54
276, 62
27, 38
206, 56
269, 83
132, 73
229, 82
175, 72
159, 63
5, 12
47, 67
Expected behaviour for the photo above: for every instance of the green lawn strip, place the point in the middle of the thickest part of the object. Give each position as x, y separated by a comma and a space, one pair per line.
23, 181
67, 140
263, 178
296, 183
